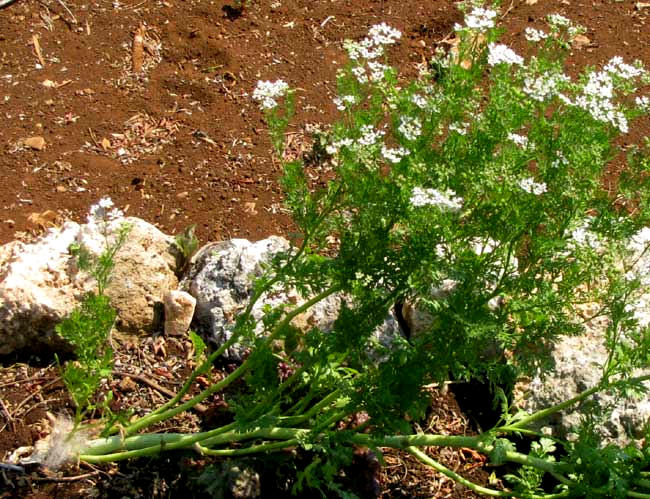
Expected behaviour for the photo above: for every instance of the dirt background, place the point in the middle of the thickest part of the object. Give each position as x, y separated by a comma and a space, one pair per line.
181, 142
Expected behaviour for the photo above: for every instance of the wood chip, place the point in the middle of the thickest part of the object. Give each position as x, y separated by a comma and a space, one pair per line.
37, 143
137, 55
642, 5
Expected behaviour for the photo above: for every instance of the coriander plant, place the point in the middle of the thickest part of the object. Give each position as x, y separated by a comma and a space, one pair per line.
473, 195
88, 327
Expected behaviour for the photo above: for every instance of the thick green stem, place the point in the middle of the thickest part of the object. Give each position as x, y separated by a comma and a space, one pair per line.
205, 366
568, 403
236, 374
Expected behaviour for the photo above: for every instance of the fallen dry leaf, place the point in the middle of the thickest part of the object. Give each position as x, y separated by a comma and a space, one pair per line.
250, 208
44, 220
106, 144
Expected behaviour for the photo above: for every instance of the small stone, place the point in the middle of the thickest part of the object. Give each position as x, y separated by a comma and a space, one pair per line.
37, 143
182, 195
127, 385
179, 311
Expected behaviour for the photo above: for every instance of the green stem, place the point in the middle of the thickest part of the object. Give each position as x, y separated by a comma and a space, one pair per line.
236, 374
568, 403
253, 449
638, 495
243, 317
421, 456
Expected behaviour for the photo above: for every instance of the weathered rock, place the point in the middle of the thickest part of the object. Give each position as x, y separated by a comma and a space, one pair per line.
40, 282
220, 279
179, 311
578, 366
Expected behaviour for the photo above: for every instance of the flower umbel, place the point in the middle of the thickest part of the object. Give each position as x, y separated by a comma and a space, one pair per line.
102, 212
445, 200
266, 93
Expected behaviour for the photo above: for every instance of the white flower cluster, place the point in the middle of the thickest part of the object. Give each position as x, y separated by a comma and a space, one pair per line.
582, 235
459, 128
501, 54
535, 35
369, 136
479, 19
373, 45
520, 140
394, 155
446, 201
596, 99
419, 101
643, 103
529, 185
617, 67
558, 21
266, 93
544, 86
410, 128
102, 212
345, 101
336, 146
377, 70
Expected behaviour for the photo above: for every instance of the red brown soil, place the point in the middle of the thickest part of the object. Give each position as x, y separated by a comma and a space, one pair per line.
196, 148
217, 158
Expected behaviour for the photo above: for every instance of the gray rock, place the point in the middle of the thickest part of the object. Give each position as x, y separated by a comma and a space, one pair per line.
578, 366
221, 276
40, 282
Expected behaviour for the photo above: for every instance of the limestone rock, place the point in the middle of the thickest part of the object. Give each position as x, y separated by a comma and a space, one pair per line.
40, 282
179, 310
578, 366
220, 278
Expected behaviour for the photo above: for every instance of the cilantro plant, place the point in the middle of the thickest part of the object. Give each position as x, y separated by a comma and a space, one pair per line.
88, 327
473, 194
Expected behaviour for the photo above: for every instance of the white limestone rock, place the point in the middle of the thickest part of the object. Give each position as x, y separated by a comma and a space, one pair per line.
179, 311
221, 276
40, 282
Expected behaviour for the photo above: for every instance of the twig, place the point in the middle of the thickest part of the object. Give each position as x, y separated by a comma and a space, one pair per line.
5, 3
200, 408
10, 420
64, 478
74, 19
55, 380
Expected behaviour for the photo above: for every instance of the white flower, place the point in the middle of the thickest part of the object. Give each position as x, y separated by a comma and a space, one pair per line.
643, 103
372, 46
460, 128
419, 101
336, 146
382, 34
529, 185
480, 19
520, 140
545, 86
557, 21
266, 93
535, 35
500, 54
410, 128
360, 74
394, 155
617, 67
102, 213
639, 241
377, 70
344, 101
369, 136
596, 100
582, 235
446, 201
